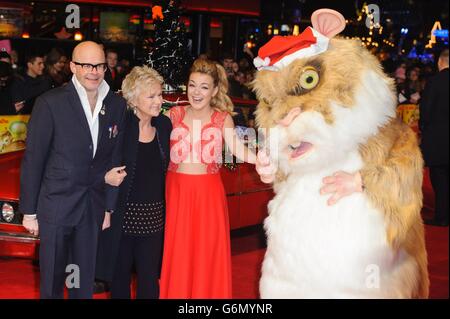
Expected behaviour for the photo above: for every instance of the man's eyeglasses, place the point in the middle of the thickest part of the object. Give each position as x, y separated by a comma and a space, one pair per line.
101, 67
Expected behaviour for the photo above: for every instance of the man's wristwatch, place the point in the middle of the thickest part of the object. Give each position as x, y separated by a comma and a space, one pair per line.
110, 211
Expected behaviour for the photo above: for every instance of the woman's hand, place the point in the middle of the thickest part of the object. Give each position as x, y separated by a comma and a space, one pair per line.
265, 168
341, 184
115, 176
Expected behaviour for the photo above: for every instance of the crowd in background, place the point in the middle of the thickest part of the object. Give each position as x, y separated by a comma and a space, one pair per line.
22, 81
410, 76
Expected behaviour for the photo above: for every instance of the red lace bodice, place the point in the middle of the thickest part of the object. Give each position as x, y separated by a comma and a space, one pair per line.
207, 143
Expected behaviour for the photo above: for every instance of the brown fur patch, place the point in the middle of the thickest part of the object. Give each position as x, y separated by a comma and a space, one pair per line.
392, 176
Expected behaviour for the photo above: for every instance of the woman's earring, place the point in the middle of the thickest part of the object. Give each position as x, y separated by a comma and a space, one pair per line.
134, 110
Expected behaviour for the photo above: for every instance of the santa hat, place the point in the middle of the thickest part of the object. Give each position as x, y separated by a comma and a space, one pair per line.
280, 51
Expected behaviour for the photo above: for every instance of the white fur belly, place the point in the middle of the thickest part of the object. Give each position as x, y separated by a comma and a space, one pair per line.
320, 251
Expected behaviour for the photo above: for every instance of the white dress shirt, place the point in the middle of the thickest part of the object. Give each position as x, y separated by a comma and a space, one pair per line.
92, 118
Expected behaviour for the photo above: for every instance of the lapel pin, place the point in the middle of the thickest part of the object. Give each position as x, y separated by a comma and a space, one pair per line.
103, 111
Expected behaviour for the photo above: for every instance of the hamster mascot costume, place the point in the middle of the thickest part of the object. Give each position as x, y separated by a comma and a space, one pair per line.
329, 107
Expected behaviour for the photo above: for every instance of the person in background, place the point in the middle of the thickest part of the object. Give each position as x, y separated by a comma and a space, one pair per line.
54, 62
66, 73
27, 87
434, 126
112, 75
15, 61
413, 88
234, 87
244, 65
124, 67
227, 63
7, 106
400, 78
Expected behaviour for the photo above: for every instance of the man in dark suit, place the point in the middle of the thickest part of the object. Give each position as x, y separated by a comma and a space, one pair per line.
434, 125
74, 138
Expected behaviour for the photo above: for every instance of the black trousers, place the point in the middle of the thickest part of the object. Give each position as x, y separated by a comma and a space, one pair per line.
67, 257
440, 180
145, 253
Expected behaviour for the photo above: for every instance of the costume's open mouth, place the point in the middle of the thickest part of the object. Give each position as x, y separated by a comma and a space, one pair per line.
299, 150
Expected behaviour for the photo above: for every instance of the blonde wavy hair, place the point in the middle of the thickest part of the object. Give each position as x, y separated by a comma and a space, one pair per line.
139, 78
221, 102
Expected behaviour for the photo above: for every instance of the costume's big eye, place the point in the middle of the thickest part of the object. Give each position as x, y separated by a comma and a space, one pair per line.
309, 78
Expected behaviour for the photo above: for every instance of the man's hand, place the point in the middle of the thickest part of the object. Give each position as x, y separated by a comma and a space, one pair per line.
31, 224
106, 221
265, 168
115, 176
341, 184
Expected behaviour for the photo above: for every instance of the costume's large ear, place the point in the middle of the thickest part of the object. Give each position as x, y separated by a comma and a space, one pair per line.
328, 22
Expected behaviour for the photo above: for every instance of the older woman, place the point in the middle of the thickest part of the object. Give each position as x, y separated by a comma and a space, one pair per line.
137, 224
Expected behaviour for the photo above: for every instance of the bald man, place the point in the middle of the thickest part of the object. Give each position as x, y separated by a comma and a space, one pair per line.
74, 138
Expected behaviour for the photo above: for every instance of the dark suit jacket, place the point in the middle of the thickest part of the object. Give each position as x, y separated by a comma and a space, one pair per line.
25, 88
116, 83
59, 178
109, 241
434, 120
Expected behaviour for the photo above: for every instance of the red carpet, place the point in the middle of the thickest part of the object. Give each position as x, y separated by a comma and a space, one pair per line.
20, 279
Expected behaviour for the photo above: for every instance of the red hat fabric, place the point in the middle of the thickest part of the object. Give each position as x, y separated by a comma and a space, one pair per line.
280, 51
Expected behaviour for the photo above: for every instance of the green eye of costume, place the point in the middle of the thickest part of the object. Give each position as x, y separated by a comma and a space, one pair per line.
309, 79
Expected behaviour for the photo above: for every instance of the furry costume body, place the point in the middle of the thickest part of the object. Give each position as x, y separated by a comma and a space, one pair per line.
370, 244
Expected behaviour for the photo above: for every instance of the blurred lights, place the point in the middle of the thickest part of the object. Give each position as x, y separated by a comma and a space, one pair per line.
436, 26
250, 44
78, 36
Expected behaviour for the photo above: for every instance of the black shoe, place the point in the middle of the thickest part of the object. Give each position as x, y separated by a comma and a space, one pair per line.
438, 223
100, 287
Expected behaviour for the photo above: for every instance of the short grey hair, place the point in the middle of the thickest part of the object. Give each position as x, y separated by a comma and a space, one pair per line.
138, 77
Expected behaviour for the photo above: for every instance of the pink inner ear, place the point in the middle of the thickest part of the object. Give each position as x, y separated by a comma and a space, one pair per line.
328, 22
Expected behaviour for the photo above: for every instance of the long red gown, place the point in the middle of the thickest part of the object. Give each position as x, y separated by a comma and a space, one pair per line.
197, 257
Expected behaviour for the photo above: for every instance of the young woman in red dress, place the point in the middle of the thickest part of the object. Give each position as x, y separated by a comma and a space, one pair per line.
197, 256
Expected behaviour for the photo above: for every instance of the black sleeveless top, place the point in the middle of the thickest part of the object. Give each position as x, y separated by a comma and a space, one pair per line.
144, 214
